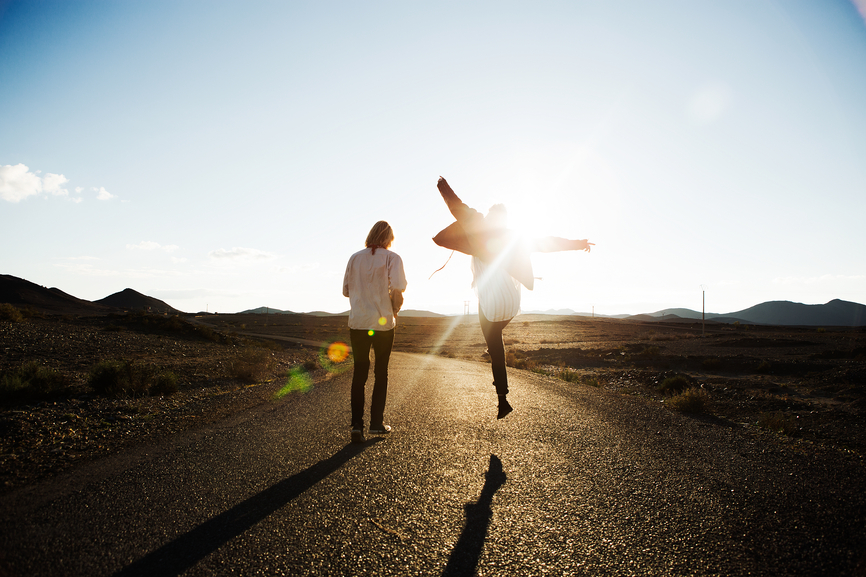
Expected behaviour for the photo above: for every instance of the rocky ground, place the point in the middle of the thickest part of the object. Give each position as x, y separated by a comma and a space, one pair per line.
216, 374
808, 386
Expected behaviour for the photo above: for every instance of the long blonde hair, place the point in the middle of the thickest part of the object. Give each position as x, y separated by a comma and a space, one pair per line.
381, 236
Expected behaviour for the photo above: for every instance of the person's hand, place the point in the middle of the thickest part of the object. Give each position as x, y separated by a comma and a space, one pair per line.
586, 245
443, 186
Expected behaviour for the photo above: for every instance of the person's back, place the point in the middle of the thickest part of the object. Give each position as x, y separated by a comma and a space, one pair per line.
374, 282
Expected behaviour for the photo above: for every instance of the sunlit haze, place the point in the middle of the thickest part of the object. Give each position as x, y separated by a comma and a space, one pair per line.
223, 156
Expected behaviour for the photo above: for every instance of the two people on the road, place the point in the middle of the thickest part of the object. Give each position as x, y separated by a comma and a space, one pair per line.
374, 282
500, 264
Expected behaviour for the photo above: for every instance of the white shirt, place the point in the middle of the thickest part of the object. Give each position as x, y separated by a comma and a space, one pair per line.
498, 292
368, 281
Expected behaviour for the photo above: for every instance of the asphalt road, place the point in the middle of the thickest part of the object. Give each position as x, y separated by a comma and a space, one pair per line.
575, 482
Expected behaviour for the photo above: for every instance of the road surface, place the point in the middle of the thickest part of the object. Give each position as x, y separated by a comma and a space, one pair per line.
576, 481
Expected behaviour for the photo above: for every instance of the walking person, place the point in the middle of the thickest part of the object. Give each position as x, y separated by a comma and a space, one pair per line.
500, 264
374, 282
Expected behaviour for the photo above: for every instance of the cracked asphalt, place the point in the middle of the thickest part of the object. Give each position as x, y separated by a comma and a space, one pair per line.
577, 481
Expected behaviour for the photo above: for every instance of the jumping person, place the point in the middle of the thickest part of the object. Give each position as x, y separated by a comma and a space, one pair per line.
374, 282
500, 264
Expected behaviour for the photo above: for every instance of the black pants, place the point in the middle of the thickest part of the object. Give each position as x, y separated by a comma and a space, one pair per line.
496, 348
382, 342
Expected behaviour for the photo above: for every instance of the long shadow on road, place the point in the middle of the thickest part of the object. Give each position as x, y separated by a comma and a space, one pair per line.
177, 556
464, 557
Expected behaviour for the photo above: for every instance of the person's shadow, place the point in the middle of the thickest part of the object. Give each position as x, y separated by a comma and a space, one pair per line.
185, 551
464, 557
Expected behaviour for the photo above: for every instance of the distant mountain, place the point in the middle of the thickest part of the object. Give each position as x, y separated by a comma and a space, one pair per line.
417, 313
266, 311
836, 313
326, 314
129, 299
23, 293
570, 312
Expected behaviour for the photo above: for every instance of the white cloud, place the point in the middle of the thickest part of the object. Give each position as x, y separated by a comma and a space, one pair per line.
150, 245
17, 183
103, 194
241, 254
53, 183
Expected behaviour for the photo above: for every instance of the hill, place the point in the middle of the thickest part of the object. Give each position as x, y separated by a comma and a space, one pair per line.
23, 293
266, 311
836, 313
129, 299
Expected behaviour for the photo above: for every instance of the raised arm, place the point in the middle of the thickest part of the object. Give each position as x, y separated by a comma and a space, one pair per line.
556, 244
458, 208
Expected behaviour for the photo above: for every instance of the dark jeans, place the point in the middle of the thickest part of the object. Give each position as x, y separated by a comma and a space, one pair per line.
493, 335
381, 341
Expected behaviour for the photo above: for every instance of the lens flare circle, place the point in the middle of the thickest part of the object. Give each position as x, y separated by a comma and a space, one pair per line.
338, 352
333, 357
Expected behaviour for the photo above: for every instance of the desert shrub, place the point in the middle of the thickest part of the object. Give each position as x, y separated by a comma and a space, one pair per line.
164, 384
673, 385
250, 364
119, 379
518, 360
31, 380
694, 400
711, 364
779, 422
650, 352
763, 368
10, 313
569, 376
592, 382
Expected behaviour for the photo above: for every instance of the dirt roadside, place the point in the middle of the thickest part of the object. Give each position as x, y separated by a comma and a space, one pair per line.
804, 387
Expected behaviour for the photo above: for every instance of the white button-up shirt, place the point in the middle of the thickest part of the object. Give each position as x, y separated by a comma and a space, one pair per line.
368, 281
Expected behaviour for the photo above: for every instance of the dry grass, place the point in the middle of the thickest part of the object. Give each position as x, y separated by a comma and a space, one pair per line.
694, 401
250, 364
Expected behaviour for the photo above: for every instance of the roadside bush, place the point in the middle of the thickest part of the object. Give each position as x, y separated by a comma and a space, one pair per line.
127, 379
164, 384
250, 364
673, 385
10, 313
569, 376
779, 422
119, 379
518, 360
31, 380
694, 400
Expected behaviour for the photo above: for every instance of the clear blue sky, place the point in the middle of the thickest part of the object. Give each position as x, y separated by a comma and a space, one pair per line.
230, 155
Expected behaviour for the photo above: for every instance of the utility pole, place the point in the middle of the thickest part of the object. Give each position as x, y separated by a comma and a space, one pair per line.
703, 308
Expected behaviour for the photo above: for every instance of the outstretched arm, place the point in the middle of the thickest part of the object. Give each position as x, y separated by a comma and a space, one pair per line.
556, 244
457, 207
